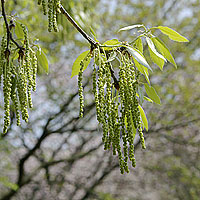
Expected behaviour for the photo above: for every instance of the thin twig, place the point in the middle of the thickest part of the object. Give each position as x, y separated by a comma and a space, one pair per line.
116, 82
80, 30
89, 39
9, 34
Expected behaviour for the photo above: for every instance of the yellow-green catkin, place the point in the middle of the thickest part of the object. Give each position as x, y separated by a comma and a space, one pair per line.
100, 83
108, 105
102, 102
50, 15
114, 120
118, 112
122, 82
27, 66
80, 89
94, 75
44, 6
98, 90
16, 105
55, 10
57, 5
7, 95
30, 104
142, 138
34, 68
27, 63
125, 140
126, 96
117, 134
137, 118
22, 91
2, 56
39, 2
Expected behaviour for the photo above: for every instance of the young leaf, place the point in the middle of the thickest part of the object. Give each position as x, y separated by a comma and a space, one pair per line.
142, 70
155, 56
15, 54
152, 93
172, 34
148, 99
138, 45
158, 61
143, 116
131, 27
111, 43
42, 61
152, 47
92, 31
76, 65
138, 56
19, 30
141, 94
145, 98
94, 34
164, 50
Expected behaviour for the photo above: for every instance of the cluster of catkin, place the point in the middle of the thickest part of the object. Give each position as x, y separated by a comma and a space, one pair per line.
19, 78
52, 8
117, 108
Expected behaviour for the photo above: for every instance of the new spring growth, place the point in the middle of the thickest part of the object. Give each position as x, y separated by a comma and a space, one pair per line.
18, 77
116, 107
52, 8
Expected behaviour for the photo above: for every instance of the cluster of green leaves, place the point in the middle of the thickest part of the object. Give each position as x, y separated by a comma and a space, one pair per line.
119, 100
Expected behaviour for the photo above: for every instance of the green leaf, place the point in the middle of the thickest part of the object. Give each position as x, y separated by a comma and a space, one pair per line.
143, 116
112, 42
131, 27
4, 181
138, 45
42, 61
164, 50
15, 54
77, 62
19, 30
142, 70
145, 98
94, 34
148, 99
141, 94
172, 34
158, 61
151, 92
155, 56
138, 56
92, 31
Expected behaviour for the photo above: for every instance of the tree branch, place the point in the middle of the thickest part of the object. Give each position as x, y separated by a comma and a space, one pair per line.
9, 34
78, 28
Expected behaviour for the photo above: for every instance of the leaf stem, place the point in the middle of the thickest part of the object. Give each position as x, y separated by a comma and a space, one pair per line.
136, 38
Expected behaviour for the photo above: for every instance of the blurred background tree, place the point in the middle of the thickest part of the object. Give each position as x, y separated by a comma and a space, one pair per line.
59, 156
